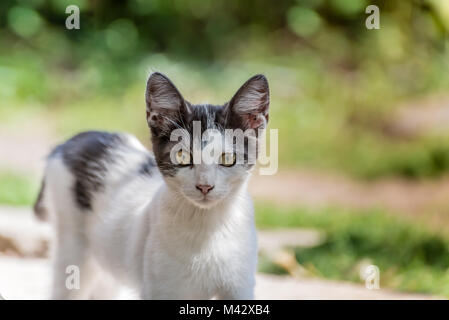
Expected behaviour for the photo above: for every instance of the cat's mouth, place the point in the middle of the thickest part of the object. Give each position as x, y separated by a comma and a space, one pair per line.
204, 201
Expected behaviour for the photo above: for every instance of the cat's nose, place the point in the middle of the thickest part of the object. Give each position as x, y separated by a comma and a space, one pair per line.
204, 188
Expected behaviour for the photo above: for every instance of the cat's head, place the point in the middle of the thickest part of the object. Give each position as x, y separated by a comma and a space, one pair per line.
199, 148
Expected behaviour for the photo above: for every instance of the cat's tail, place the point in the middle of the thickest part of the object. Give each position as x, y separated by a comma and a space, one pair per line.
39, 208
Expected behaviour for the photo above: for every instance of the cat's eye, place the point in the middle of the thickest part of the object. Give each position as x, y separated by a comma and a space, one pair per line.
227, 159
183, 158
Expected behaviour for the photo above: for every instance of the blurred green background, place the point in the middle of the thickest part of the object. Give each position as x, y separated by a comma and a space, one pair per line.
338, 95
334, 82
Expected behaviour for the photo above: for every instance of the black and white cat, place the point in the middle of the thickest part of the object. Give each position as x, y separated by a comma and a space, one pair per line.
171, 229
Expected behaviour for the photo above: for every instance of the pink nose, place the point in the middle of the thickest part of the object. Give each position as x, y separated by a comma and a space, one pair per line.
204, 188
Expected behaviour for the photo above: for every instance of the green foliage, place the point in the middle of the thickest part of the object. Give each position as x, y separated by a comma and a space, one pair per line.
303, 21
409, 257
323, 65
24, 21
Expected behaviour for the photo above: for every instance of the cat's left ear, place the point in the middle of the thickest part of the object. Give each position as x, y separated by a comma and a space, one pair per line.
248, 109
165, 106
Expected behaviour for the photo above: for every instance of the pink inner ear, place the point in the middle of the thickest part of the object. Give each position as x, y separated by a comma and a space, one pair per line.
253, 120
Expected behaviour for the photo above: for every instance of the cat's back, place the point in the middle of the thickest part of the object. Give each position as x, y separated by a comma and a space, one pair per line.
99, 164
95, 189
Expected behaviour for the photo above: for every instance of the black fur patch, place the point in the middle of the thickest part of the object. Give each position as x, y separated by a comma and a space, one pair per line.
86, 155
148, 166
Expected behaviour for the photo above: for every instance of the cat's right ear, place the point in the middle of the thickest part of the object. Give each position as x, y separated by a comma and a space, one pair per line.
165, 106
248, 109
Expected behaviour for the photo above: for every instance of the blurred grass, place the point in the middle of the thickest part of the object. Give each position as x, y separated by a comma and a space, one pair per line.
409, 257
325, 69
312, 116
17, 189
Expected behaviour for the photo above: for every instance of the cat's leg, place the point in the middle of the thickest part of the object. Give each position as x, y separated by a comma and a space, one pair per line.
161, 288
153, 289
166, 282
170, 290
70, 255
104, 286
73, 268
77, 274
239, 293
237, 289
161, 275
72, 274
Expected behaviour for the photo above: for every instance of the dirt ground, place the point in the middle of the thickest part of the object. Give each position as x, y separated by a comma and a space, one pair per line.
424, 200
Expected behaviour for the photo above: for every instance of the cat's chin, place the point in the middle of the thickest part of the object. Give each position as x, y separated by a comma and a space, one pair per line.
203, 203
206, 203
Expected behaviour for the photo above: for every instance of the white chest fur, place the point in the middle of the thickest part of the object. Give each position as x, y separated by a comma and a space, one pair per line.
200, 253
